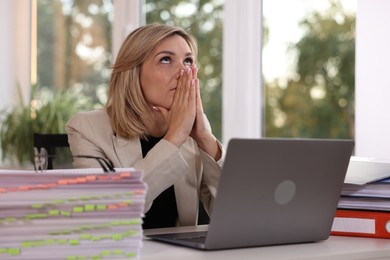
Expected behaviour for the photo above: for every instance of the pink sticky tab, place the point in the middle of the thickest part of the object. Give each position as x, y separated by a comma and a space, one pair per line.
24, 188
62, 182
103, 177
112, 206
51, 185
125, 174
81, 180
91, 178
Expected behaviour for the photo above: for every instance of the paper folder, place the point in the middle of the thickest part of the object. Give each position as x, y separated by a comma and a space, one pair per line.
360, 223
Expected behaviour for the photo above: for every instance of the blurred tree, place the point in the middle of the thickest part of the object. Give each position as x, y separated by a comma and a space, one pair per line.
74, 44
203, 19
319, 101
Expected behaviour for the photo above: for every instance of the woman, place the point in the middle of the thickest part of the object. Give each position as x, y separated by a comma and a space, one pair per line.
154, 121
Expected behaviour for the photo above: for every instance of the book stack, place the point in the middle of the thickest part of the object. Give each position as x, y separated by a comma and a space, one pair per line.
71, 214
364, 206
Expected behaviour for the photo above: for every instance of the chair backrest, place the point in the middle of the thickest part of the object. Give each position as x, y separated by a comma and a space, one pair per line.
50, 142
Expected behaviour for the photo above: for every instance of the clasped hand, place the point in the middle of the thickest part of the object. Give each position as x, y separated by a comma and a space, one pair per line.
186, 116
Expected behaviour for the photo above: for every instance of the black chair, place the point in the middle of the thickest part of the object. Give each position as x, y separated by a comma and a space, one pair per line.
50, 142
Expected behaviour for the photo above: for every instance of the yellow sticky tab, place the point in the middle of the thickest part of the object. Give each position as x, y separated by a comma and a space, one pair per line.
37, 206
89, 207
85, 236
78, 209
54, 212
101, 207
73, 242
66, 213
14, 251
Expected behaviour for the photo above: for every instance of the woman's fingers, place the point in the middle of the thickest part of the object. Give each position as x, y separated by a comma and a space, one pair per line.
183, 110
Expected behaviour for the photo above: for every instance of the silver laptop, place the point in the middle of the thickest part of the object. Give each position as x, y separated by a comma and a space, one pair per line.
273, 192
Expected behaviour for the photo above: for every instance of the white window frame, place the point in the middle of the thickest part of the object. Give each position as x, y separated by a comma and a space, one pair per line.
242, 79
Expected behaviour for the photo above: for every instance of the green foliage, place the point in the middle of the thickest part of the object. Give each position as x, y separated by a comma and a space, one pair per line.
319, 101
204, 20
74, 45
46, 112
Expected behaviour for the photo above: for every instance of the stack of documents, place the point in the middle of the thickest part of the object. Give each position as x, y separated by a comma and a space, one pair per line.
71, 214
364, 206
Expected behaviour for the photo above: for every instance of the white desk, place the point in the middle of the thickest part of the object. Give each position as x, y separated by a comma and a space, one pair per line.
334, 248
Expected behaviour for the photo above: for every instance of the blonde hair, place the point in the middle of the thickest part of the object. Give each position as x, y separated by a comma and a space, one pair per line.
126, 105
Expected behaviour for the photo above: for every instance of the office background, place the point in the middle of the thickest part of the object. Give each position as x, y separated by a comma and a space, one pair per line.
242, 116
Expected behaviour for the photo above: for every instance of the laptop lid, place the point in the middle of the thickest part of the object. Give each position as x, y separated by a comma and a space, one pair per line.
277, 191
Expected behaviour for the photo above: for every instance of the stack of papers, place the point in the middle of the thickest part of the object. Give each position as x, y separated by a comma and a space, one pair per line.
367, 185
71, 214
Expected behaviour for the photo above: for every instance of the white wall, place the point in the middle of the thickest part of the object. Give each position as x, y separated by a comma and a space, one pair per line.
373, 79
14, 51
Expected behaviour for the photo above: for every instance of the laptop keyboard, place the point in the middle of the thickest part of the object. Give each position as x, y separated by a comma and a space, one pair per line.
197, 237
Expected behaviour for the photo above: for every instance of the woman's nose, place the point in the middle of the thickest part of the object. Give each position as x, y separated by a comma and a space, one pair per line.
180, 69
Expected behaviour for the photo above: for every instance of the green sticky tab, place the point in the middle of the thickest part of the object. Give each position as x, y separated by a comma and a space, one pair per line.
118, 252
37, 206
128, 201
54, 212
135, 221
117, 237
85, 227
36, 216
116, 223
85, 198
3, 250
10, 219
106, 236
73, 242
50, 241
105, 253
101, 207
96, 257
66, 213
62, 242
78, 209
14, 251
85, 236
89, 207
39, 242
131, 254
96, 238
26, 244
71, 257
131, 232
59, 202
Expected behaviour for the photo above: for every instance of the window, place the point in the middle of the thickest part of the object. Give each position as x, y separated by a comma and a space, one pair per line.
74, 46
309, 68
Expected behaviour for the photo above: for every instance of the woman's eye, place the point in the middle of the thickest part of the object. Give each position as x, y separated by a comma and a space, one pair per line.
165, 60
188, 61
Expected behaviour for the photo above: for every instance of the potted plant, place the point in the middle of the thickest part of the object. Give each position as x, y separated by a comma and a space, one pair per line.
46, 112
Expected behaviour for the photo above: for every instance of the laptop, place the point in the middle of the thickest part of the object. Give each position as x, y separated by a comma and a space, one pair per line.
272, 192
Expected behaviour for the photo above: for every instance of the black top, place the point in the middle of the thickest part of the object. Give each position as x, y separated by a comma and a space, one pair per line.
163, 212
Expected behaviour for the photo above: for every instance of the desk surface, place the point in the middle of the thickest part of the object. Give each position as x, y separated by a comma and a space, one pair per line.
334, 248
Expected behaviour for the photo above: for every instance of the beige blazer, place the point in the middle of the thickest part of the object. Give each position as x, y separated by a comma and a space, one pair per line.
194, 173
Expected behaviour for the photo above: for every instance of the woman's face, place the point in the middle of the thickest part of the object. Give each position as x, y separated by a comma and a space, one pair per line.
161, 69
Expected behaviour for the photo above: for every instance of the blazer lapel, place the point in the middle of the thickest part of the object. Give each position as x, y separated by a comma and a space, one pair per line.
127, 151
